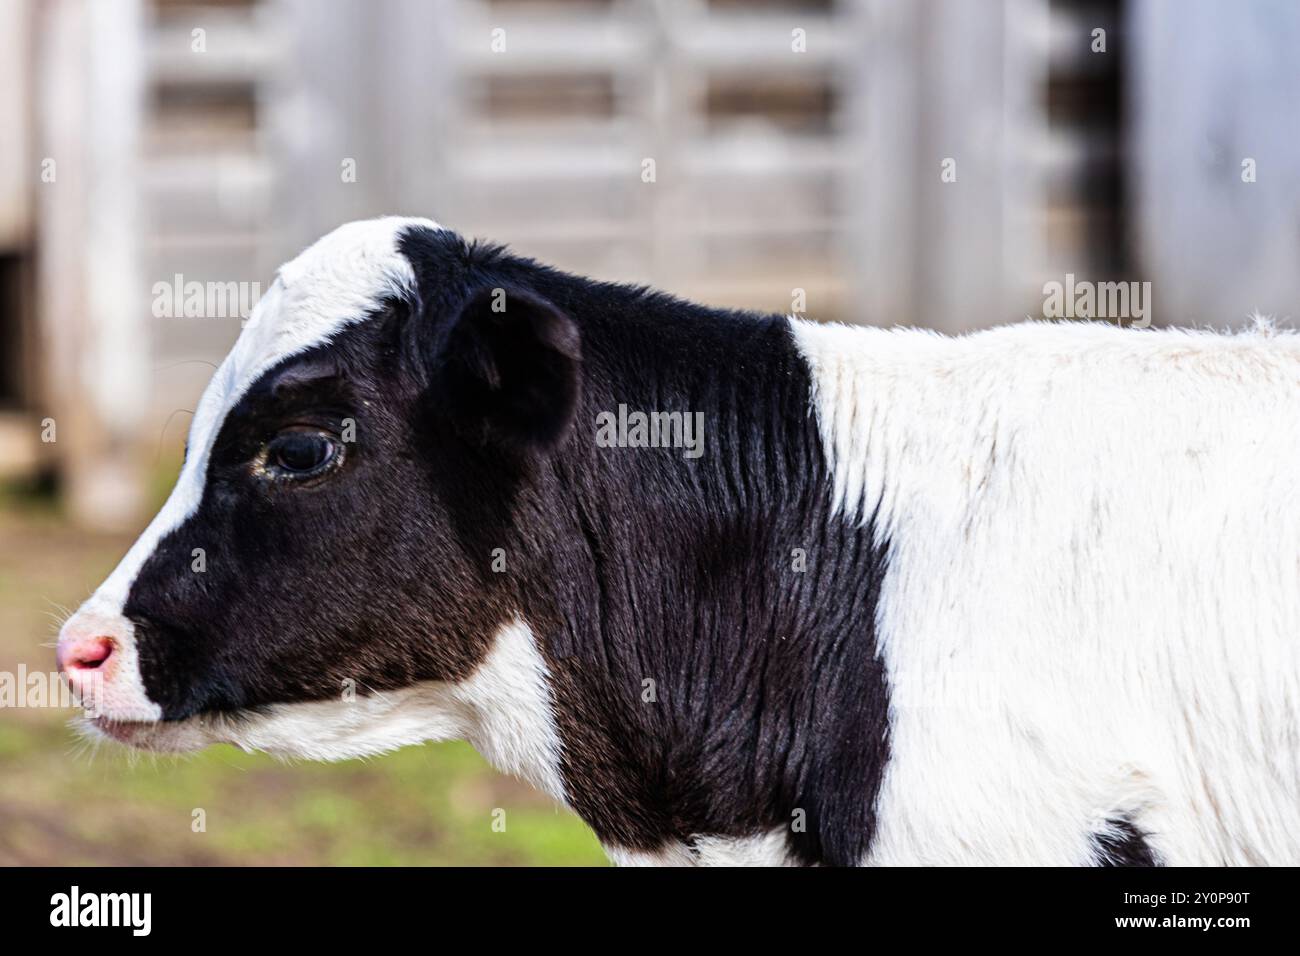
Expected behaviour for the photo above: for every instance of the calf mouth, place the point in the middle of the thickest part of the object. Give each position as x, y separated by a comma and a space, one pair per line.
332, 729
157, 736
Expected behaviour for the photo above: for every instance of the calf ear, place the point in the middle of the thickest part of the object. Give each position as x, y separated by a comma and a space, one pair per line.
510, 369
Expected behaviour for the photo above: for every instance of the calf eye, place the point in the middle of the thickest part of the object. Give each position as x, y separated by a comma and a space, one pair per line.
300, 454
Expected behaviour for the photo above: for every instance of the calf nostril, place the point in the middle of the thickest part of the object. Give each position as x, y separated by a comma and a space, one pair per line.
90, 654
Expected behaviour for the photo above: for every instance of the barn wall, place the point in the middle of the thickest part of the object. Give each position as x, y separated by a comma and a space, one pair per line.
1210, 92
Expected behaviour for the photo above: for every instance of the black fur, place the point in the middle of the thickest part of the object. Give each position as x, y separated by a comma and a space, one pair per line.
1122, 844
476, 431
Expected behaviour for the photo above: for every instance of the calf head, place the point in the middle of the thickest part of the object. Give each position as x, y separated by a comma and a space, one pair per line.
320, 581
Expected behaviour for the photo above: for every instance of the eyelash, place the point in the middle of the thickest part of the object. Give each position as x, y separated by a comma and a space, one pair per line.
270, 462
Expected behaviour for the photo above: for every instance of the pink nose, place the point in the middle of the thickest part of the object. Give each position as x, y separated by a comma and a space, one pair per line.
96, 655
78, 655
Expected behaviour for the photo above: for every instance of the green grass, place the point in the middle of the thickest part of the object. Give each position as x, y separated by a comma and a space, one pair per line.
423, 805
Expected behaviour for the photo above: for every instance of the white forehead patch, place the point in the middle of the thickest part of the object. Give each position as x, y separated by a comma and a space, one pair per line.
335, 283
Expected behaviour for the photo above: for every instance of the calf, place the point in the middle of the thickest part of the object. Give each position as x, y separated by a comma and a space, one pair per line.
1028, 596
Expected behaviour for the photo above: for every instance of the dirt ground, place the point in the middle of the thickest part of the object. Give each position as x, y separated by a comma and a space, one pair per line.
63, 801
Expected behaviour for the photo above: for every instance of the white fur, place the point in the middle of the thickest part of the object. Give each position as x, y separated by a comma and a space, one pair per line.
336, 282
1092, 604
769, 849
670, 854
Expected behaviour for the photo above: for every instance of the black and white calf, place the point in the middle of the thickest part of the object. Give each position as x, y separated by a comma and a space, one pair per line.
1025, 596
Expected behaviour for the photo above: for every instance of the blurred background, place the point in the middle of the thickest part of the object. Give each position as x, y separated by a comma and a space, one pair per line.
924, 162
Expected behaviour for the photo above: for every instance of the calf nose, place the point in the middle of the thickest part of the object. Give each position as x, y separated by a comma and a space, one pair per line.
78, 654
98, 657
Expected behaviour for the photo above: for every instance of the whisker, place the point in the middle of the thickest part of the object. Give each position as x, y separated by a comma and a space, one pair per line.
162, 435
164, 368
